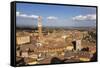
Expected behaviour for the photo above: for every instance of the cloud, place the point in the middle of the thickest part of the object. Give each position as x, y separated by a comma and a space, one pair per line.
18, 14
52, 18
85, 17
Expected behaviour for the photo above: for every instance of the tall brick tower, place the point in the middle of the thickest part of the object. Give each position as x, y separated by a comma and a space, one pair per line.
40, 27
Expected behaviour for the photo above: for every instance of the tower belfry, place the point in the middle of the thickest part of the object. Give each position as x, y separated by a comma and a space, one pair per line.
40, 27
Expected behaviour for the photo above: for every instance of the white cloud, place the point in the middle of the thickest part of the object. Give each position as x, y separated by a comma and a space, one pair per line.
85, 17
26, 15
52, 18
34, 16
23, 15
17, 13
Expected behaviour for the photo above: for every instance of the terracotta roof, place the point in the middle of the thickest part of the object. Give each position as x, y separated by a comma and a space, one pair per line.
26, 47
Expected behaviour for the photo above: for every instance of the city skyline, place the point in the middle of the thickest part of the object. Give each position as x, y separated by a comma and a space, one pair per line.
63, 34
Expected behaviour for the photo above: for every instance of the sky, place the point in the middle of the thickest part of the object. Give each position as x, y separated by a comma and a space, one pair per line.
55, 15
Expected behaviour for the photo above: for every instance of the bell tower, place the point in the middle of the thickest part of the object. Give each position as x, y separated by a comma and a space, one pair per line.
40, 27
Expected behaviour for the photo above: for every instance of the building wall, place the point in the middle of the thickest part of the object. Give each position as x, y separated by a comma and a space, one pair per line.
24, 54
78, 44
22, 40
